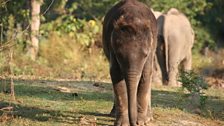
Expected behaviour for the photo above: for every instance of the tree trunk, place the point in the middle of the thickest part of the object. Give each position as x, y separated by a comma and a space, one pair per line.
12, 89
33, 46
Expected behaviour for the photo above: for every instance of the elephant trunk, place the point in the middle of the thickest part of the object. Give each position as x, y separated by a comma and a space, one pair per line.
132, 79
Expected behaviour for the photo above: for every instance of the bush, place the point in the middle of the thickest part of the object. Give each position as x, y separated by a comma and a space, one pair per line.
195, 85
68, 59
84, 32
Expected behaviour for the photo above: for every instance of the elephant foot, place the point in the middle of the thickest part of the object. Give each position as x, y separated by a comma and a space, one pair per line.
179, 84
172, 84
144, 120
122, 121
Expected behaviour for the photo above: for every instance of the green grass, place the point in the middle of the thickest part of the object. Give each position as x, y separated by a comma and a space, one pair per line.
38, 103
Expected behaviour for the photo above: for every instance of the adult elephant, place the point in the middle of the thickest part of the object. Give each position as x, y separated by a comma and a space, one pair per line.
175, 41
129, 43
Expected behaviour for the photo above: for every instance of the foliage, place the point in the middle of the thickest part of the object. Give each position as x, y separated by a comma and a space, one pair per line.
70, 17
199, 12
18, 10
194, 84
91, 9
67, 57
213, 19
83, 30
80, 23
59, 57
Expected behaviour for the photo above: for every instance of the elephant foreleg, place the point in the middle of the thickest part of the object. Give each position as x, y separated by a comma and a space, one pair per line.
120, 92
144, 95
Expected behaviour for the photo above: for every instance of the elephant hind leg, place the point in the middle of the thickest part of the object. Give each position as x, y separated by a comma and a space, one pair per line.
173, 72
187, 63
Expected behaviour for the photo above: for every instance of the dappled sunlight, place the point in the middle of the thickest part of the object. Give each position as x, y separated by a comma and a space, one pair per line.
90, 102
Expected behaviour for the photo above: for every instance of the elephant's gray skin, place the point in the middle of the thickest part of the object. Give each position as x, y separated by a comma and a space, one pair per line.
129, 43
175, 41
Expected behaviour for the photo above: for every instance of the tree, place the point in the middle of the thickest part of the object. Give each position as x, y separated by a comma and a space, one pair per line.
33, 46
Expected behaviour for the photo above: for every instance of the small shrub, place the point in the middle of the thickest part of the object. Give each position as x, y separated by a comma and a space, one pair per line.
195, 85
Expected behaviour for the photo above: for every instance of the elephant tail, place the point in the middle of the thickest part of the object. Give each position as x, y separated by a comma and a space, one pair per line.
163, 47
166, 54
166, 48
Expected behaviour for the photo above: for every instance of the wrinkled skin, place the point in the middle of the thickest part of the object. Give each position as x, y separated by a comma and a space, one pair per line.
129, 43
175, 41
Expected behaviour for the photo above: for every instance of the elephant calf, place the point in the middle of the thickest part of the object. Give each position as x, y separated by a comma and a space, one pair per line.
175, 41
129, 43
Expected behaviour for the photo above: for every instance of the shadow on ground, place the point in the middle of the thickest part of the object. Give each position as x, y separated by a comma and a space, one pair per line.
101, 117
213, 109
100, 91
39, 114
46, 90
